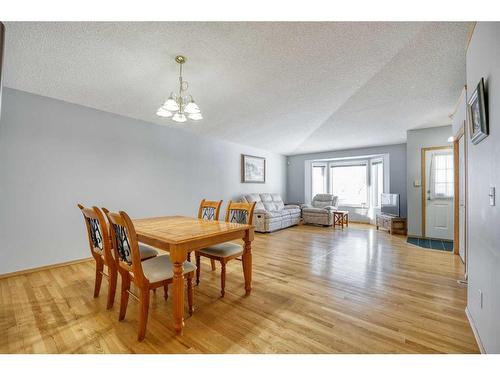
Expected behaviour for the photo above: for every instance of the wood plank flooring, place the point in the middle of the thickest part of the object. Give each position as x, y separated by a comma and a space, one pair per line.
315, 290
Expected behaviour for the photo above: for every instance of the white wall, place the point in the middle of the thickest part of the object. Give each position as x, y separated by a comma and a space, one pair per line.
415, 141
296, 188
54, 154
483, 60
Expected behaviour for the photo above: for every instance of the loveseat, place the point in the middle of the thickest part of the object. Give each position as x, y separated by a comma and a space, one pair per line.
271, 213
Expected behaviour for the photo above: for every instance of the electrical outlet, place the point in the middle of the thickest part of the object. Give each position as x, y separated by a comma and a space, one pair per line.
480, 298
492, 195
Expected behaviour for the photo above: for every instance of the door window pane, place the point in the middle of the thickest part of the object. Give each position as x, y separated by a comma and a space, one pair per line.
442, 175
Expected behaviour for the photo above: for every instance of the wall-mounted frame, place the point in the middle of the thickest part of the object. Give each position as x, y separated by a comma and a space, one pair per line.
253, 169
477, 114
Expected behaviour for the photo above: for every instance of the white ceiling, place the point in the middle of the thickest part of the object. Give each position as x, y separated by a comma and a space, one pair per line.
286, 87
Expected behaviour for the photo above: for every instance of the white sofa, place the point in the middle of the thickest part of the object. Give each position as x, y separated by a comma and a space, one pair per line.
271, 213
320, 211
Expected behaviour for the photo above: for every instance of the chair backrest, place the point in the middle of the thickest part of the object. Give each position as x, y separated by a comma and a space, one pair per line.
209, 210
240, 212
97, 232
125, 244
324, 200
265, 201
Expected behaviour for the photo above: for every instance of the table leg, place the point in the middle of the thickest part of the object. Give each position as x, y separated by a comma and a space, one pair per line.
346, 220
178, 256
247, 261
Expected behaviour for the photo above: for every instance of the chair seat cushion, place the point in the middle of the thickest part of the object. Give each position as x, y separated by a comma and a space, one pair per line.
292, 209
314, 210
160, 268
147, 251
225, 249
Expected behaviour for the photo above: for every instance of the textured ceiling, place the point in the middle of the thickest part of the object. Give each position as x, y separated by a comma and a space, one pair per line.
286, 87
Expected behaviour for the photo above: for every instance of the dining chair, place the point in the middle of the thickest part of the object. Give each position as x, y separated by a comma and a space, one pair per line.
209, 210
146, 275
236, 212
100, 248
146, 251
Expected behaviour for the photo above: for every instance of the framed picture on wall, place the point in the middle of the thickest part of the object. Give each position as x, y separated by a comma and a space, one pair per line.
253, 169
476, 113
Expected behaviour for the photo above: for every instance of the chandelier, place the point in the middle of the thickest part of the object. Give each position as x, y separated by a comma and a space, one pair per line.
180, 107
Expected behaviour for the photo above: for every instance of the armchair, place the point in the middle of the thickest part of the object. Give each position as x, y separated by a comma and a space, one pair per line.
321, 209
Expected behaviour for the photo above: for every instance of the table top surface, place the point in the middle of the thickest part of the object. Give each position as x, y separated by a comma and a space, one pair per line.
182, 229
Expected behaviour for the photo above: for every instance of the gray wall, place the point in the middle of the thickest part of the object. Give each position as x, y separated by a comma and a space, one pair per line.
54, 154
415, 141
397, 160
459, 116
483, 60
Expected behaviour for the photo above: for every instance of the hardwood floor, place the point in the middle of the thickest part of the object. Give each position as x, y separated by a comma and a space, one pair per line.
315, 290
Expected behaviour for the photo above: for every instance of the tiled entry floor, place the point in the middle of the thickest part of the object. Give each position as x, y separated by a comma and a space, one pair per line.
443, 245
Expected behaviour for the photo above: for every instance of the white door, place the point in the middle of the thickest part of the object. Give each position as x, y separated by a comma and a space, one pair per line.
439, 194
461, 198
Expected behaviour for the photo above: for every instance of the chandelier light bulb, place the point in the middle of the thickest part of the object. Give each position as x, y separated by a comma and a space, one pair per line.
171, 105
162, 112
179, 117
191, 107
196, 116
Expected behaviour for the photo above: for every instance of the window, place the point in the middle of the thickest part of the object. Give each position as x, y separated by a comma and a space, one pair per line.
357, 181
349, 182
441, 175
377, 181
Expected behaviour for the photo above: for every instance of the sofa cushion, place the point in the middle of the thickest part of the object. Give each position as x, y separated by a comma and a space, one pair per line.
292, 209
272, 202
266, 197
250, 198
270, 214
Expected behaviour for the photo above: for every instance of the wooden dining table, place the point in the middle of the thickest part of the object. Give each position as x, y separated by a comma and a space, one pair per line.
180, 235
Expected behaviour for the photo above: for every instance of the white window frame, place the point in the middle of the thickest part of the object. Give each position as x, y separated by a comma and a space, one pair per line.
377, 160
384, 158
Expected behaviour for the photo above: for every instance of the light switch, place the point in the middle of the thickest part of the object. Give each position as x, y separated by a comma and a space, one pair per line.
492, 195
417, 183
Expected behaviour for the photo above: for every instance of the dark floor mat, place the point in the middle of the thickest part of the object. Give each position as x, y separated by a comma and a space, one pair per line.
442, 245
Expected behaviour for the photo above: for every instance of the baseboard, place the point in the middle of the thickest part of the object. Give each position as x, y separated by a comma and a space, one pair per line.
474, 331
43, 268
361, 222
